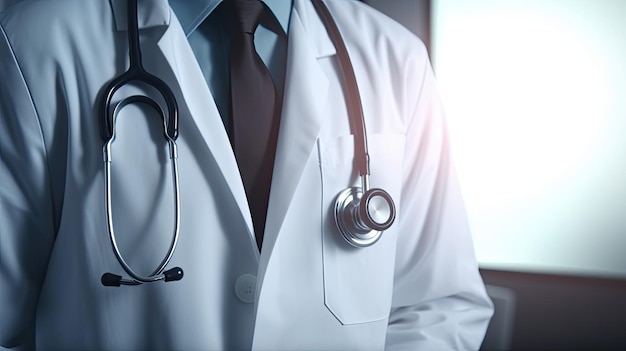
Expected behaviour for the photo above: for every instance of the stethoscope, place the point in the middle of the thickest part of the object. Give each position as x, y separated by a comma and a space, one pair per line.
361, 214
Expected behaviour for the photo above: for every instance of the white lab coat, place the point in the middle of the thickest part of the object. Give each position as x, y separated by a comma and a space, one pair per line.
418, 288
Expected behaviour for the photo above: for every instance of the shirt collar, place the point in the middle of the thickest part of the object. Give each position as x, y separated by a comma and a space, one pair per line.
191, 13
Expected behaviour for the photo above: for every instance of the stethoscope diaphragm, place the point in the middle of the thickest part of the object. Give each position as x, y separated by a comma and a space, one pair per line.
362, 217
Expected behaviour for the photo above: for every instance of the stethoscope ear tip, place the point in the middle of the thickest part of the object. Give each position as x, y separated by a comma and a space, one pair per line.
110, 279
173, 274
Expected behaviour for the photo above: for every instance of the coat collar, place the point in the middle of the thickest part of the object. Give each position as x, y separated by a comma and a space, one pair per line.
192, 13
154, 13
151, 13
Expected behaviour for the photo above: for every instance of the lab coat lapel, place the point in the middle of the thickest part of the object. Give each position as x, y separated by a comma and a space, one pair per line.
305, 98
197, 96
204, 113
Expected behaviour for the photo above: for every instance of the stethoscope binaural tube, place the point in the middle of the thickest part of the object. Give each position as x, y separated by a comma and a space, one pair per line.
109, 279
137, 73
361, 214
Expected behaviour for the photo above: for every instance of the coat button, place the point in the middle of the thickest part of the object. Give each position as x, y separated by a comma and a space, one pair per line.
245, 288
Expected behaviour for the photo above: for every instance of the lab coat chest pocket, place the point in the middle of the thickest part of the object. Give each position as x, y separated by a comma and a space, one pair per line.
358, 282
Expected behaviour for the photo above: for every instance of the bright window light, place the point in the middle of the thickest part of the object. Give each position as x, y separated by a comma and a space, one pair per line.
535, 93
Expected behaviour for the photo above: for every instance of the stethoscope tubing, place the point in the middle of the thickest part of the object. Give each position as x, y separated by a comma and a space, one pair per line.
351, 89
136, 72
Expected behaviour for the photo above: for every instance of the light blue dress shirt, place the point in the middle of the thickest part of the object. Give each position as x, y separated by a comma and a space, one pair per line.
209, 43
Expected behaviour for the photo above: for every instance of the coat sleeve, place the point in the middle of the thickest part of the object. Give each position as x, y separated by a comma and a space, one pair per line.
26, 210
439, 300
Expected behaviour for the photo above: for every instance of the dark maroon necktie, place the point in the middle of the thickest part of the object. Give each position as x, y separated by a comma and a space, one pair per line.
254, 112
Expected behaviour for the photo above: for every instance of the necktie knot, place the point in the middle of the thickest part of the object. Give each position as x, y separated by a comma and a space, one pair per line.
247, 14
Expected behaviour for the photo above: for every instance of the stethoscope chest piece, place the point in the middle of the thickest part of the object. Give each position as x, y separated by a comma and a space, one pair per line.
362, 217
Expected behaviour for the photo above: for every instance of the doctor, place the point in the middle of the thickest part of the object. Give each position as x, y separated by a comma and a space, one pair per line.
417, 288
